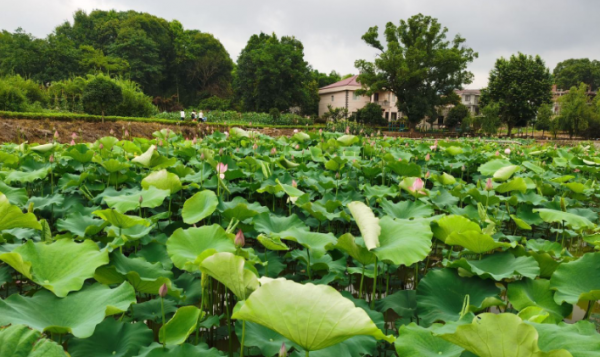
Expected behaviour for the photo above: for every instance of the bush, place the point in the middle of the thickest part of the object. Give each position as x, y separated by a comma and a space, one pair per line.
215, 103
135, 103
456, 115
371, 114
275, 114
102, 96
11, 97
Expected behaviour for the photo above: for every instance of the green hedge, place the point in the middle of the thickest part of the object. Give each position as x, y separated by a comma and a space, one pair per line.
97, 118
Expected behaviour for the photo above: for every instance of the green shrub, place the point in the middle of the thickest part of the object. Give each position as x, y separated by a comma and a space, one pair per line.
12, 98
215, 103
135, 103
102, 96
371, 114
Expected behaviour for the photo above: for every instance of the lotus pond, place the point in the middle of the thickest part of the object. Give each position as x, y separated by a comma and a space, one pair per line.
319, 244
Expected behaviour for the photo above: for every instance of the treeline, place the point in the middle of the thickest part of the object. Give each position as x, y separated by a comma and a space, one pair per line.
174, 66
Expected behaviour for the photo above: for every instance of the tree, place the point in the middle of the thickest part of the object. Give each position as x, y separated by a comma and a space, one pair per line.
272, 73
456, 116
576, 110
544, 118
335, 114
419, 65
519, 85
572, 72
324, 79
101, 96
371, 114
490, 118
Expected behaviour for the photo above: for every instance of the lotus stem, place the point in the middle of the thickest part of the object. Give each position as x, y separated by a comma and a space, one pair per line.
228, 323
588, 312
306, 353
362, 278
308, 265
243, 337
374, 286
162, 310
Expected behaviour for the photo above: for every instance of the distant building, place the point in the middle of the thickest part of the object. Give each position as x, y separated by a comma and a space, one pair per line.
557, 93
470, 99
342, 95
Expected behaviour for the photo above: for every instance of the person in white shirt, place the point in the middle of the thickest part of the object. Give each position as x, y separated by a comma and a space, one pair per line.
182, 115
201, 116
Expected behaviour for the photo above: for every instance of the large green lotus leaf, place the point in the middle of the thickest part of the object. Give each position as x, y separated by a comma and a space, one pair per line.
348, 140
152, 159
229, 270
40, 203
317, 243
416, 341
403, 242
60, 267
502, 335
145, 277
571, 220
516, 184
269, 223
77, 313
357, 346
271, 243
348, 244
577, 280
475, 242
499, 266
16, 196
120, 220
162, 180
20, 341
80, 225
327, 317
199, 206
406, 209
380, 191
266, 340
455, 150
180, 326
441, 294
527, 292
490, 167
185, 350
112, 165
403, 303
453, 223
112, 338
367, 223
505, 173
12, 217
581, 338
151, 198
26, 176
240, 209
186, 247
80, 153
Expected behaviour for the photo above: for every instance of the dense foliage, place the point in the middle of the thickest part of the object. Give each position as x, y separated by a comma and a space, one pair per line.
404, 66
572, 72
161, 56
318, 244
519, 86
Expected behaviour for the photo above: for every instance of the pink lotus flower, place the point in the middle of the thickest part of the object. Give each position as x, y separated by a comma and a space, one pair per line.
226, 133
406, 145
497, 153
417, 186
488, 185
432, 147
221, 169
240, 240
507, 151
427, 157
72, 142
112, 132
320, 131
295, 130
399, 159
576, 170
73, 136
347, 130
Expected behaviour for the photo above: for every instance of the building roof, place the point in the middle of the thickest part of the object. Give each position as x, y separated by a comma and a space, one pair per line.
351, 81
468, 91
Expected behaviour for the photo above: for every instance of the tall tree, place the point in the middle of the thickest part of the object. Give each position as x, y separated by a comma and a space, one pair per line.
519, 85
272, 73
572, 72
576, 111
544, 118
419, 65
324, 79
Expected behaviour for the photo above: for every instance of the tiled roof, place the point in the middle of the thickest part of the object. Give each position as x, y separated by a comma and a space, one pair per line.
344, 82
469, 91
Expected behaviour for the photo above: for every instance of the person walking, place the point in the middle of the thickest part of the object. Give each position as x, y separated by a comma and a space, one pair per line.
182, 115
201, 116
193, 115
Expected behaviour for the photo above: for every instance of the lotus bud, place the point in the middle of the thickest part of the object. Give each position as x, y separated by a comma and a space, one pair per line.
101, 146
563, 205
126, 133
163, 290
283, 351
337, 175
221, 169
221, 151
320, 131
427, 157
239, 241
293, 158
112, 132
56, 134
497, 153
141, 199
399, 159
406, 145
194, 140
297, 147
72, 142
73, 136
226, 133
237, 149
255, 146
51, 158
250, 123
294, 183
347, 130
488, 185
202, 156
507, 151
273, 151
160, 142
295, 131
427, 175
463, 169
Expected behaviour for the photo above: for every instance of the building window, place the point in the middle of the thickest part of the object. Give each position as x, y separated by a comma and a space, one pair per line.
355, 96
332, 98
387, 115
394, 116
467, 98
376, 97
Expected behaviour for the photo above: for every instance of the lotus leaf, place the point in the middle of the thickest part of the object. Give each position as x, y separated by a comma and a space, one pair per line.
229, 270
180, 326
188, 247
112, 338
20, 341
577, 280
403, 242
162, 180
499, 266
199, 206
367, 223
12, 217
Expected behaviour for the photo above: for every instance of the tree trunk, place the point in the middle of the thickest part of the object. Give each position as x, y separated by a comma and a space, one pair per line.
509, 128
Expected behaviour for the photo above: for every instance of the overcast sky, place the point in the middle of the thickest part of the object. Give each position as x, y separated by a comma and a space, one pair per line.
331, 29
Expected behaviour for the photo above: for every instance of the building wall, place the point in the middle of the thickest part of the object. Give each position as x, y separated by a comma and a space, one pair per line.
335, 99
347, 99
